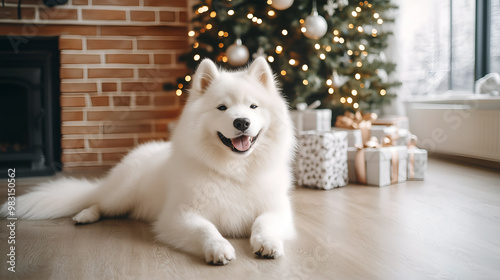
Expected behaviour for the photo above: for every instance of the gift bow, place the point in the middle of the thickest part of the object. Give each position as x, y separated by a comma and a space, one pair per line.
357, 121
360, 164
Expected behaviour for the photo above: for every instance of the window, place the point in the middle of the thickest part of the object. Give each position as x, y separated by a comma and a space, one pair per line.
442, 44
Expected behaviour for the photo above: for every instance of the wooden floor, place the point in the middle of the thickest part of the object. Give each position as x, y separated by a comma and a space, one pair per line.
446, 227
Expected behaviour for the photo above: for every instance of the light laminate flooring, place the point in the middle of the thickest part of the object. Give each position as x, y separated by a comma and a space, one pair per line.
445, 227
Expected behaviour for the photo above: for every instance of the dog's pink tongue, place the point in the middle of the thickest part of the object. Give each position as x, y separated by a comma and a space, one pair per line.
241, 143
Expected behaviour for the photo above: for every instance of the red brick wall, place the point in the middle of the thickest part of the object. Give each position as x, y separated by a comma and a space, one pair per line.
115, 57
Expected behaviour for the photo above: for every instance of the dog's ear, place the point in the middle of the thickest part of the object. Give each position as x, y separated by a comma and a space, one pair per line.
262, 72
206, 73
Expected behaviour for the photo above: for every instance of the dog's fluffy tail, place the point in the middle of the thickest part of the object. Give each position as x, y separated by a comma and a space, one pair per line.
60, 198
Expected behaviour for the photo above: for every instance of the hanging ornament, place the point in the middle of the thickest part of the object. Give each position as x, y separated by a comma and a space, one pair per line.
260, 52
315, 25
237, 54
339, 80
330, 7
382, 75
281, 4
342, 3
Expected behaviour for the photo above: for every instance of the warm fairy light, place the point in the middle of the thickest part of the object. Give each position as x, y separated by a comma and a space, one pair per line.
301, 21
331, 91
209, 26
359, 63
351, 26
259, 21
349, 100
380, 21
202, 9
249, 15
226, 34
357, 76
354, 92
328, 48
292, 61
322, 56
360, 28
364, 53
187, 78
221, 45
341, 40
317, 46
213, 14
305, 82
362, 47
279, 49
180, 86
283, 72
254, 19
270, 59
383, 92
362, 85
271, 13
335, 32
355, 105
220, 33
178, 92
329, 82
354, 14
224, 59
358, 9
196, 45
305, 67
230, 12
196, 57
376, 15
335, 39
342, 99
349, 52
284, 32
191, 33
269, 2
303, 29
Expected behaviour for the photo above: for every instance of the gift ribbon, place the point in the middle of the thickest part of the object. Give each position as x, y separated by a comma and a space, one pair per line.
360, 164
412, 145
357, 121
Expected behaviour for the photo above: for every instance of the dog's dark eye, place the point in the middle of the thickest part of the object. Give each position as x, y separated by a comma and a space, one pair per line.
253, 106
222, 107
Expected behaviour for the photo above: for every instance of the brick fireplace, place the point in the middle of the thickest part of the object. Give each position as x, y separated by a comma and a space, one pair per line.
115, 56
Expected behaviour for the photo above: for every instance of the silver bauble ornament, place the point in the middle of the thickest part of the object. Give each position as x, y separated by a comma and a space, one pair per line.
281, 4
316, 25
237, 54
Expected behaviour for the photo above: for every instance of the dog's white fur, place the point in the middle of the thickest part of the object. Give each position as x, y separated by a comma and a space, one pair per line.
194, 189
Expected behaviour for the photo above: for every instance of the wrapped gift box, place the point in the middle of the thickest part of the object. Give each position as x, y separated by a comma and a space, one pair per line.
382, 166
397, 121
322, 159
312, 119
417, 163
354, 137
401, 135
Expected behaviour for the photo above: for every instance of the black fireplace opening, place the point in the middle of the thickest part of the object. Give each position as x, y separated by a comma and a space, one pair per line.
30, 113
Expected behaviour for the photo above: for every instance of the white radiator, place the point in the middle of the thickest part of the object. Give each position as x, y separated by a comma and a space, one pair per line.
465, 127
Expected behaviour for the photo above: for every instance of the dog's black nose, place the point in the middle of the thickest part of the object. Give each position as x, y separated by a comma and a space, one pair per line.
241, 124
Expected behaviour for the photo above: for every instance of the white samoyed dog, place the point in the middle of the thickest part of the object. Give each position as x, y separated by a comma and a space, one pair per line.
225, 173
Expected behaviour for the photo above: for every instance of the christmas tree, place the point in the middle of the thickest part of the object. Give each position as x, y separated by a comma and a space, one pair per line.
330, 50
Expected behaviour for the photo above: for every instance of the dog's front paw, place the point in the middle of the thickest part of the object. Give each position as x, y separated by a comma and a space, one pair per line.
269, 248
219, 252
